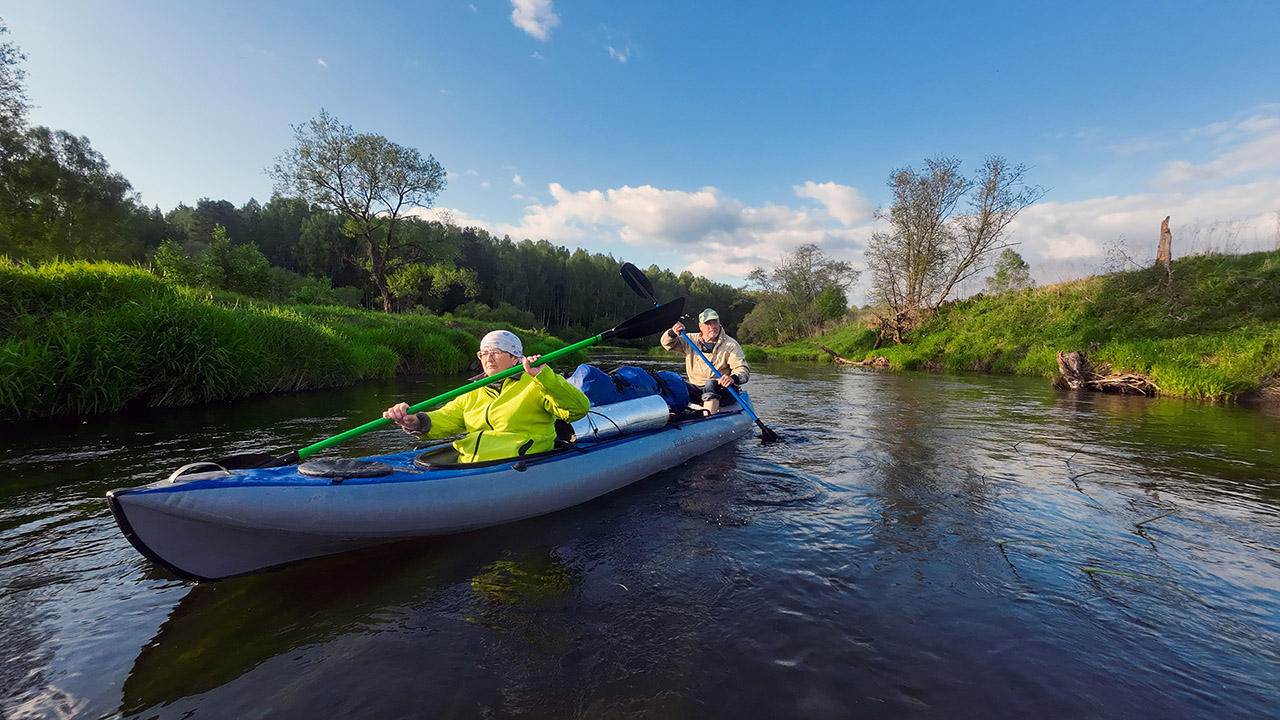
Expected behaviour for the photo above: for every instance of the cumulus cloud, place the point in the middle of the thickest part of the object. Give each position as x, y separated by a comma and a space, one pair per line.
321, 62
619, 55
1244, 148
846, 204
535, 17
719, 236
517, 180
1067, 240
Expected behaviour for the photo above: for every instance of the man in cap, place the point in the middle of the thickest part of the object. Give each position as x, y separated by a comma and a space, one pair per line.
721, 350
509, 418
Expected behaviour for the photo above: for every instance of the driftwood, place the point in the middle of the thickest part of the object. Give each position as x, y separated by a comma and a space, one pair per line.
1078, 373
880, 362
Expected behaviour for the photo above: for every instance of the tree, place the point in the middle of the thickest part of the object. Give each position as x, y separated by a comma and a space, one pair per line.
369, 180
60, 198
929, 248
13, 95
797, 295
1012, 273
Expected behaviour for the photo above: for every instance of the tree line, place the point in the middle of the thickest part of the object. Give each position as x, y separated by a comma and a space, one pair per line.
340, 228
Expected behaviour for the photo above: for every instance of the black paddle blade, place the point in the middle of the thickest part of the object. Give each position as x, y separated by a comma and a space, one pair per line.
252, 461
649, 322
768, 436
639, 282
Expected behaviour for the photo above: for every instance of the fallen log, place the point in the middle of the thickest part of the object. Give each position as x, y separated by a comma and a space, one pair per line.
880, 362
1077, 373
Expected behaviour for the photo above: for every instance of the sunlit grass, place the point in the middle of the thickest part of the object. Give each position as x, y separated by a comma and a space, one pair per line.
91, 337
1209, 328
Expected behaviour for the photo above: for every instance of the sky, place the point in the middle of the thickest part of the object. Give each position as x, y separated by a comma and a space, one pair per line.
714, 137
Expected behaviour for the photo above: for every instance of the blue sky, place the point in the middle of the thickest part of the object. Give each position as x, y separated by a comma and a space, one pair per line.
710, 136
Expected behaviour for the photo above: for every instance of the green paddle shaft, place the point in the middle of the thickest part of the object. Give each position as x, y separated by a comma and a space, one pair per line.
446, 397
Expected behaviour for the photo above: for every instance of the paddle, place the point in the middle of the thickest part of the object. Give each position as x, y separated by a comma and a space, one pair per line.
641, 285
649, 322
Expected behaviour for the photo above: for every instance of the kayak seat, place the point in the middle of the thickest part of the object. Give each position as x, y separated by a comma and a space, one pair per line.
444, 457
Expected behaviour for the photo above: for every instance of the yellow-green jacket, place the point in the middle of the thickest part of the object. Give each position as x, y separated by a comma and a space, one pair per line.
516, 420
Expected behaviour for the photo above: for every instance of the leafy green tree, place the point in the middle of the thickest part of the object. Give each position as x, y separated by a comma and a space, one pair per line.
244, 268
930, 247
832, 303
13, 94
211, 214
315, 291
805, 288
178, 267
1012, 273
59, 198
369, 180
280, 230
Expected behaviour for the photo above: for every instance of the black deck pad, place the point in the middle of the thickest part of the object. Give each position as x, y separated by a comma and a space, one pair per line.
344, 468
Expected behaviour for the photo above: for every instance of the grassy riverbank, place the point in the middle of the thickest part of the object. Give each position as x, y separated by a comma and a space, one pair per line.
1209, 328
81, 338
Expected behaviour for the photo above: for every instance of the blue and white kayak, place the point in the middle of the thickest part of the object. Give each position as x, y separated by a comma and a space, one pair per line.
207, 523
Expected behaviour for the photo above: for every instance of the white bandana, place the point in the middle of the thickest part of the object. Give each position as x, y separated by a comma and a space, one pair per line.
505, 341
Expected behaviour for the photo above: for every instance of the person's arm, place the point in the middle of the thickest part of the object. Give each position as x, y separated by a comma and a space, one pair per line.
448, 420
739, 373
562, 398
671, 340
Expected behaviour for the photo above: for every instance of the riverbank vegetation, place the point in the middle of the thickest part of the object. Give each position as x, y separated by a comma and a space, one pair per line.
79, 338
1206, 327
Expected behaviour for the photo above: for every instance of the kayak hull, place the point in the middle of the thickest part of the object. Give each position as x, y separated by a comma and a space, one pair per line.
212, 525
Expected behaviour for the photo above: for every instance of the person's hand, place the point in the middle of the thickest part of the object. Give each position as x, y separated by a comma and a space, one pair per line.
726, 380
677, 328
400, 415
529, 366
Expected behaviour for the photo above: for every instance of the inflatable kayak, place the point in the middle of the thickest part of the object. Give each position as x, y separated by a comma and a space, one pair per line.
205, 522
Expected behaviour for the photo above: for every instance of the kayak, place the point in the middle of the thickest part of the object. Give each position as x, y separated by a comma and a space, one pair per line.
205, 522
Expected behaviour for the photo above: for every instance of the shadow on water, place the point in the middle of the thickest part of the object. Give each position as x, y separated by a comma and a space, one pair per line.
222, 631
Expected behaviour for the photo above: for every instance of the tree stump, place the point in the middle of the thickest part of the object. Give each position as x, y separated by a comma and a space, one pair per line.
1164, 255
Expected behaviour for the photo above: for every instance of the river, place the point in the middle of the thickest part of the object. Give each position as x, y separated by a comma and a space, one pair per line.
923, 546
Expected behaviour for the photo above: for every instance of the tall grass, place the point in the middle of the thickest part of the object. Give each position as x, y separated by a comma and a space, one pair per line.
1208, 328
93, 337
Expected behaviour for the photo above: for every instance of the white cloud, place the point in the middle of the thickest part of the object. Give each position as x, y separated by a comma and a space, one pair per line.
534, 17
517, 180
719, 236
846, 204
321, 62
619, 55
1246, 147
1068, 240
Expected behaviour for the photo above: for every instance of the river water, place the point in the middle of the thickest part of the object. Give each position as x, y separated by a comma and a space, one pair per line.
923, 546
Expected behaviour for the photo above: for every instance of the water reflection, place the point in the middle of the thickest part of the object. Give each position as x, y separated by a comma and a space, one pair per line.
916, 549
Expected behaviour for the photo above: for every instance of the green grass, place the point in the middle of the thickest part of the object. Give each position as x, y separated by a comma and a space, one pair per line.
83, 338
1209, 328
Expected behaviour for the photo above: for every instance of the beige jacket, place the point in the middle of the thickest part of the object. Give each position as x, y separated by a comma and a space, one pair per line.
726, 355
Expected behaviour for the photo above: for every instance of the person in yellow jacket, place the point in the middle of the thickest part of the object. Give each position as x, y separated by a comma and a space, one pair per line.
507, 419
723, 351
